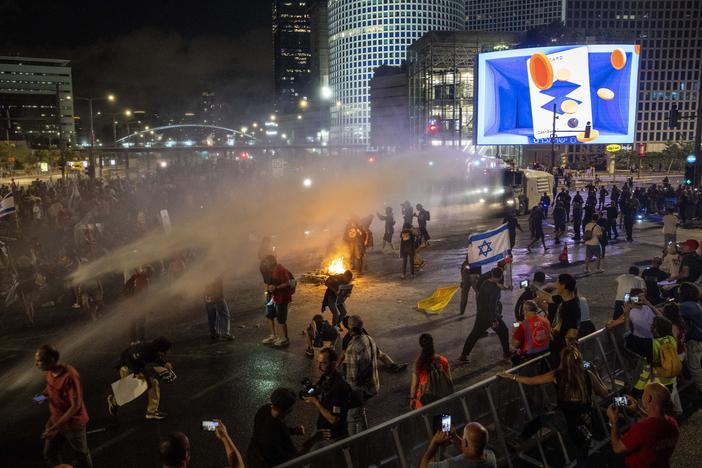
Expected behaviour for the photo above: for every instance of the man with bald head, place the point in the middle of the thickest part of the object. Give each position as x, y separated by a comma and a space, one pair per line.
649, 442
471, 446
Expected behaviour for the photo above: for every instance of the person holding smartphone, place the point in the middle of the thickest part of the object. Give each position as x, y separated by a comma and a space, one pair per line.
531, 336
472, 447
68, 419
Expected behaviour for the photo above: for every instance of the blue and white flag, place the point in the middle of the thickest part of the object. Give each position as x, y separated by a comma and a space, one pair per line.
488, 247
7, 205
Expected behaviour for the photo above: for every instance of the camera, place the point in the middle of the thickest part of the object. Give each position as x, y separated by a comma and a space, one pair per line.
635, 299
308, 390
619, 402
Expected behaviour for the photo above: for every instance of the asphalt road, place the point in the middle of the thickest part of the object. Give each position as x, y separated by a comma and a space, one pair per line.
230, 380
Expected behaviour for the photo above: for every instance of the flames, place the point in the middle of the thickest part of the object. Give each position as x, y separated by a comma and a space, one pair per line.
336, 266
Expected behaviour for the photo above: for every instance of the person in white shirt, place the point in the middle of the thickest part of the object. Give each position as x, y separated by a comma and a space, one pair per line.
640, 314
593, 248
625, 283
670, 227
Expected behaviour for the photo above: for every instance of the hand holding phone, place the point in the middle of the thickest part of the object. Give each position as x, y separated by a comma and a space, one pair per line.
627, 297
524, 284
39, 398
209, 426
620, 402
446, 423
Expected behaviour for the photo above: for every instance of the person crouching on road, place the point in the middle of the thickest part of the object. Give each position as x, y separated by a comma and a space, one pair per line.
319, 332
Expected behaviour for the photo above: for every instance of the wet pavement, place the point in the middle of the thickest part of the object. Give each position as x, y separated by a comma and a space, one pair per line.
230, 380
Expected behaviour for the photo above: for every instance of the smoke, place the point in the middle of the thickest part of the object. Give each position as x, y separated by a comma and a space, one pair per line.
226, 234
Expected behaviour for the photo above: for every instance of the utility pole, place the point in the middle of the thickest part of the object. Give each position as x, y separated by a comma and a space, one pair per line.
553, 139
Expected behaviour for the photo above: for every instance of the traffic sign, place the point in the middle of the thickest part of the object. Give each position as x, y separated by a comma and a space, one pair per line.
691, 159
613, 148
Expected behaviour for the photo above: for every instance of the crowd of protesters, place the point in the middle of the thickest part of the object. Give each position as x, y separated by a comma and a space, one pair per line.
89, 218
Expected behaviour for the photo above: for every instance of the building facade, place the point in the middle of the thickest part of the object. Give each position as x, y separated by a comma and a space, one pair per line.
292, 55
364, 35
512, 15
36, 100
670, 35
389, 110
441, 85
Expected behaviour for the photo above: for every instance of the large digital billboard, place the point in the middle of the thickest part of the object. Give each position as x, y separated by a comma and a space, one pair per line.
591, 88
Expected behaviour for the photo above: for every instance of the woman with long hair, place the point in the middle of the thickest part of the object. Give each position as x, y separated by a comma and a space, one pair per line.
427, 362
575, 383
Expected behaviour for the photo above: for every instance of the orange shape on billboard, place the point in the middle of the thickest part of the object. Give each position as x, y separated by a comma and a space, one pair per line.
541, 71
618, 59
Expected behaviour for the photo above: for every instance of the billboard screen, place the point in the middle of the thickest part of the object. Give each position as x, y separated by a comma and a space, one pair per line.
587, 85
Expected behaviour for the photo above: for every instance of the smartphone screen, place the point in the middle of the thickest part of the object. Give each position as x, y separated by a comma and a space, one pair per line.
620, 401
515, 324
627, 296
446, 423
524, 284
587, 364
209, 426
39, 398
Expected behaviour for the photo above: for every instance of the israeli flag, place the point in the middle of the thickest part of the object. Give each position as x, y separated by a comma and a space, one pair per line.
7, 205
488, 247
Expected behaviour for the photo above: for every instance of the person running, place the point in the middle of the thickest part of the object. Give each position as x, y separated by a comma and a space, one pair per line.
333, 284
536, 226
389, 220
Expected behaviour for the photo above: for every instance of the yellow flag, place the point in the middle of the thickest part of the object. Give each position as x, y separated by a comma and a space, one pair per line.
439, 299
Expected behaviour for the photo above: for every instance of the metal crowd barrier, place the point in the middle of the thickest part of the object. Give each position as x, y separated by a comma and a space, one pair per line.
502, 406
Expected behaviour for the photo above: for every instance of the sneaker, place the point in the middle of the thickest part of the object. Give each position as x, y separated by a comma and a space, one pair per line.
112, 405
281, 342
156, 415
309, 352
228, 337
395, 368
270, 340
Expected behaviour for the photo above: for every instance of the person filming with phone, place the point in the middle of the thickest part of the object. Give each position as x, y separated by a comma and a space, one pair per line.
651, 441
472, 449
174, 449
531, 336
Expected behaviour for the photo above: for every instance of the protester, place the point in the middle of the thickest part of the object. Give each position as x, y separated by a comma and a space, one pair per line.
279, 286
472, 447
567, 317
319, 332
331, 398
422, 217
389, 219
670, 227
531, 336
512, 226
529, 293
271, 444
690, 263
354, 238
429, 363
574, 387
625, 283
652, 276
147, 361
217, 311
469, 279
545, 202
577, 220
593, 247
407, 213
489, 315
174, 449
639, 314
691, 312
649, 442
384, 358
331, 295
536, 227
612, 215
361, 363
68, 415
586, 326
134, 287
407, 249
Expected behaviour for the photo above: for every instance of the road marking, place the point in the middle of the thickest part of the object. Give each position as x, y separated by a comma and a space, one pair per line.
212, 387
113, 441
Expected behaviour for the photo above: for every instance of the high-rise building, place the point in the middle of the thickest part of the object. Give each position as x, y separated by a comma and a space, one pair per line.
670, 35
36, 100
366, 35
292, 56
320, 92
512, 15
389, 110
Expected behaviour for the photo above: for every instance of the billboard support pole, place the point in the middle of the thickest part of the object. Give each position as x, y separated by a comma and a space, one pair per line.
553, 139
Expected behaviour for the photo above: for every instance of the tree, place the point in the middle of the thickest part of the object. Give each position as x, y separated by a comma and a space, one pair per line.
674, 154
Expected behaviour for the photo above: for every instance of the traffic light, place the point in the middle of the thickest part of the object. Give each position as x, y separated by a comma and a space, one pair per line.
674, 116
588, 130
689, 178
432, 127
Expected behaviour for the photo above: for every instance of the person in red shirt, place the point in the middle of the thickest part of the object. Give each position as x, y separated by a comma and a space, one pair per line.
651, 441
68, 415
278, 286
531, 336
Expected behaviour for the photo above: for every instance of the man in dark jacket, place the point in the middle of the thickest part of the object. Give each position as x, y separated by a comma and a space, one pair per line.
577, 220
512, 225
488, 315
612, 214
407, 248
422, 217
559, 221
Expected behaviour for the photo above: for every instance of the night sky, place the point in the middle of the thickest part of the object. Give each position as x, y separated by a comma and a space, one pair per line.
155, 55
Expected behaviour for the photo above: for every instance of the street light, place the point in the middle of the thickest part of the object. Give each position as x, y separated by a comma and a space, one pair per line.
326, 93
304, 103
110, 98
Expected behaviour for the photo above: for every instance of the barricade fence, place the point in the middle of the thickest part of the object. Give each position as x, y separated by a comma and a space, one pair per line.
504, 407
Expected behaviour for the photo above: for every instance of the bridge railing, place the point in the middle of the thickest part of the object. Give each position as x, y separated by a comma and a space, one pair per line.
502, 406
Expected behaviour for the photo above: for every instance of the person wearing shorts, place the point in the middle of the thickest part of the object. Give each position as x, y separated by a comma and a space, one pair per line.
592, 245
278, 286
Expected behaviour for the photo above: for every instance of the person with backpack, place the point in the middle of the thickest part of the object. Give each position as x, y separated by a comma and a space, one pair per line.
593, 246
361, 363
281, 287
431, 378
422, 217
489, 315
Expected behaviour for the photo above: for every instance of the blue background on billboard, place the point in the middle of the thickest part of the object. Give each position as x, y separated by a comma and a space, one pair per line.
504, 105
